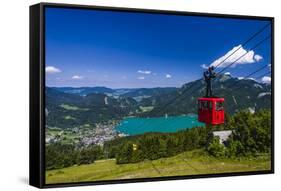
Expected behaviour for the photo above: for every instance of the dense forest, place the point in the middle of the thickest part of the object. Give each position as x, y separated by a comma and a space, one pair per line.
251, 135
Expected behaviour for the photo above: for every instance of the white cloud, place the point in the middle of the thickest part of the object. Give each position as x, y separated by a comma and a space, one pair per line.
168, 76
248, 58
240, 78
258, 57
266, 79
269, 66
52, 70
144, 71
76, 77
227, 73
141, 78
204, 66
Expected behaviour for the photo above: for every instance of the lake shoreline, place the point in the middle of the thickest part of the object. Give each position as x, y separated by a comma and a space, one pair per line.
135, 125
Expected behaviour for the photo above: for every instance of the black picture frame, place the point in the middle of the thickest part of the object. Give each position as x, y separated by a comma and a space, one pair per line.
37, 94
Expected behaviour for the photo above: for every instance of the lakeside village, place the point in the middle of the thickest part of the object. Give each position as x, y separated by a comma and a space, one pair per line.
85, 135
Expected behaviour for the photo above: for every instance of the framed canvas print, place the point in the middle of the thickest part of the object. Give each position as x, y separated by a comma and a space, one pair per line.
126, 95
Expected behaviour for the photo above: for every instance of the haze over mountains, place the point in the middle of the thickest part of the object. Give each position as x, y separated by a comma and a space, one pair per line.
75, 107
125, 92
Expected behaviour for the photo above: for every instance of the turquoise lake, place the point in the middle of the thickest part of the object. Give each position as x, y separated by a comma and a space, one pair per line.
134, 126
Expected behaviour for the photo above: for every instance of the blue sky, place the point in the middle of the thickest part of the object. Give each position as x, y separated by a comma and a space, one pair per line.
132, 50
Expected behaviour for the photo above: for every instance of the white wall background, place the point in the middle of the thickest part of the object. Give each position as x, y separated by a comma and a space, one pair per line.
14, 55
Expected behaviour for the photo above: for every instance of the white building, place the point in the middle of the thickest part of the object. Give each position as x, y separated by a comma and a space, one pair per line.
223, 135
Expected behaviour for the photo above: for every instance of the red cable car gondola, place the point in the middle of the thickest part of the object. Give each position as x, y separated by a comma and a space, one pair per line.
210, 108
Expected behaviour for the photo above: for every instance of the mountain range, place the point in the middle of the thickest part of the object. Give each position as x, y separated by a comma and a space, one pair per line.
77, 107
238, 94
136, 93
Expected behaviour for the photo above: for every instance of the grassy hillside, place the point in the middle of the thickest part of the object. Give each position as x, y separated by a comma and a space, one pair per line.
187, 163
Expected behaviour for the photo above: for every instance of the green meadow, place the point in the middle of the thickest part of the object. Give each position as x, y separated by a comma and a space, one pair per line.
186, 163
